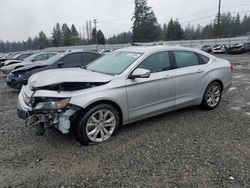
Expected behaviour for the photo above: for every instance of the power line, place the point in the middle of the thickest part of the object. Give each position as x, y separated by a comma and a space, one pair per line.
202, 18
197, 19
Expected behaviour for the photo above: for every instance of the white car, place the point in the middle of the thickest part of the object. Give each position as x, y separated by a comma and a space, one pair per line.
221, 48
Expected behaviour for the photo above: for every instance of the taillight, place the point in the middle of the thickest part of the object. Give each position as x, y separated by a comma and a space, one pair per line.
231, 67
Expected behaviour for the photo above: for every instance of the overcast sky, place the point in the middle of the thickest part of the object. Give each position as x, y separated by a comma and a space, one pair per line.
23, 18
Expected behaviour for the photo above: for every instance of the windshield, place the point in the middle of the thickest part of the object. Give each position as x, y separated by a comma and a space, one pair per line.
54, 59
30, 58
113, 63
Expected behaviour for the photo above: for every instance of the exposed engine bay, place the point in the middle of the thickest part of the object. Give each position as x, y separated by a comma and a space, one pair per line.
70, 86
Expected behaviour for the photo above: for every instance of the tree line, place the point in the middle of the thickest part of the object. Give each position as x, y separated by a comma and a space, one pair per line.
145, 28
60, 36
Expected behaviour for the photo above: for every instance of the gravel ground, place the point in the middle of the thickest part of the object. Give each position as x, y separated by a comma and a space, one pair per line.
185, 148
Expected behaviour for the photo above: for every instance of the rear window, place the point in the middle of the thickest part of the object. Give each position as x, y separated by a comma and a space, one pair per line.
185, 59
204, 59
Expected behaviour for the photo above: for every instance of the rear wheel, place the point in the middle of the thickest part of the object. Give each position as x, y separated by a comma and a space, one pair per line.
212, 96
98, 124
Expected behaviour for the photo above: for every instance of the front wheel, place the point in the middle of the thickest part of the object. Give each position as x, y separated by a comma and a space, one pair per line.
212, 96
98, 124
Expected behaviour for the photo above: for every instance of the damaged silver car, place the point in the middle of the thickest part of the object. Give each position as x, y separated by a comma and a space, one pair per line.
122, 87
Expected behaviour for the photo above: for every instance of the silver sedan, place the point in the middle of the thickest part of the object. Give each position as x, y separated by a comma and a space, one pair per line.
124, 86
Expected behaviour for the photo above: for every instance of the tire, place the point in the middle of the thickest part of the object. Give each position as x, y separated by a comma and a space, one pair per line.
212, 96
92, 128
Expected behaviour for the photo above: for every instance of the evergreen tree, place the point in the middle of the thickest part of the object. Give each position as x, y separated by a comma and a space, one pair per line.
100, 37
121, 38
94, 36
57, 39
164, 32
67, 35
145, 27
43, 41
174, 31
75, 35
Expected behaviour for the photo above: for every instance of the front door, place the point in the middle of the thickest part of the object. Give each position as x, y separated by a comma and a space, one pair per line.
149, 96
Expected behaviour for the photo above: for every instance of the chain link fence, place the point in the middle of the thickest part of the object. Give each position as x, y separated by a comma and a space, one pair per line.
184, 43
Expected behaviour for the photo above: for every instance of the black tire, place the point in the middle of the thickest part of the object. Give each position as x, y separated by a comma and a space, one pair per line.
205, 102
80, 131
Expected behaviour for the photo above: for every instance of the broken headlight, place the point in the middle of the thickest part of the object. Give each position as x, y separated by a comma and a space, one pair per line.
53, 105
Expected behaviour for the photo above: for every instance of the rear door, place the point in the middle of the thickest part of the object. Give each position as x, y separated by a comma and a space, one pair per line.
188, 77
149, 96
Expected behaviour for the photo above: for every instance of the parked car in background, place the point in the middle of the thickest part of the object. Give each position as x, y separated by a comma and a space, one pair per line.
239, 48
104, 52
206, 48
4, 58
11, 65
16, 57
20, 76
220, 49
122, 87
22, 56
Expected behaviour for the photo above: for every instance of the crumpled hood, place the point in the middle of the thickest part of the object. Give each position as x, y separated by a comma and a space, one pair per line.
25, 63
67, 75
31, 66
7, 62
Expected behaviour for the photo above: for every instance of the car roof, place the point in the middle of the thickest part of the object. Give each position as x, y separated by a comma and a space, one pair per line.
148, 49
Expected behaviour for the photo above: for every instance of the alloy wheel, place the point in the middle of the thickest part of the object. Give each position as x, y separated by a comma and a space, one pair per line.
213, 95
100, 125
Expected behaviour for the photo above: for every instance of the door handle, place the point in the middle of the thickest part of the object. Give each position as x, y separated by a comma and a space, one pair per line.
200, 71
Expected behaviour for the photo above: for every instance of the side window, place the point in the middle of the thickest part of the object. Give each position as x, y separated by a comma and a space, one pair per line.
40, 57
185, 59
74, 58
51, 55
157, 62
204, 59
88, 57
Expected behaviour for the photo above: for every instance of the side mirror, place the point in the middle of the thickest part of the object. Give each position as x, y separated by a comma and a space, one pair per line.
140, 73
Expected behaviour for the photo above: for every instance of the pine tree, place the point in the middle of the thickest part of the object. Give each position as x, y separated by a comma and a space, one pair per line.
56, 38
100, 37
67, 36
43, 41
94, 36
145, 27
75, 35
174, 31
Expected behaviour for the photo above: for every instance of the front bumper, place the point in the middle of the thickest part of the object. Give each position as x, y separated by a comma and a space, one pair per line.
23, 110
22, 114
59, 119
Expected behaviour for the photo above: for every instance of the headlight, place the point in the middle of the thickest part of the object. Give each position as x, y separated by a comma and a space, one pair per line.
21, 74
52, 105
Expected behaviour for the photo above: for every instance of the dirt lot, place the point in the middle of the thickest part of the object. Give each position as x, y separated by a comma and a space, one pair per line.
186, 148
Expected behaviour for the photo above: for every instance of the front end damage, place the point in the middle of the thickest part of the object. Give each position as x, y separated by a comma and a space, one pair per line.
46, 102
46, 112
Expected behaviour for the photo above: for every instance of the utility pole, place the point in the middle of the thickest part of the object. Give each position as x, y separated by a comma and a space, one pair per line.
95, 22
218, 19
